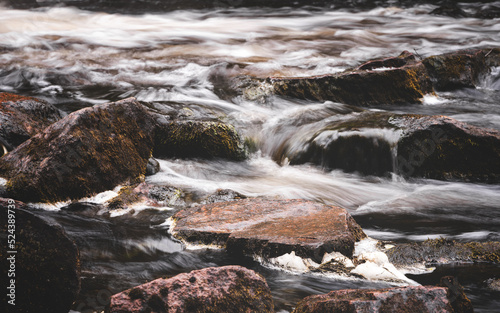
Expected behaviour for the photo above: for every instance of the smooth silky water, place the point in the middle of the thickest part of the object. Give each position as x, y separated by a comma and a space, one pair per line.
184, 62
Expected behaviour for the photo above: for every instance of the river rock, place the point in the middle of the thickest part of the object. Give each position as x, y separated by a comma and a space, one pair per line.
215, 289
411, 145
443, 251
422, 299
23, 117
390, 81
198, 139
270, 228
47, 262
396, 80
456, 70
88, 151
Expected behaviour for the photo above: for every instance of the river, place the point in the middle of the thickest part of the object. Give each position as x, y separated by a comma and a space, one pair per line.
185, 61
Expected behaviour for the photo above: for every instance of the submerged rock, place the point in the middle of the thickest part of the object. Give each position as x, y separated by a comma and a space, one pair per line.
198, 139
424, 299
46, 263
88, 151
376, 143
23, 117
215, 289
146, 194
270, 228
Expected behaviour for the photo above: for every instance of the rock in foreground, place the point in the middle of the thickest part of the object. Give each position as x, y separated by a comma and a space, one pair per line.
23, 117
271, 228
223, 289
47, 263
88, 151
422, 299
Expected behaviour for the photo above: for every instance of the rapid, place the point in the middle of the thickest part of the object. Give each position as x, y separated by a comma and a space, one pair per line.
184, 62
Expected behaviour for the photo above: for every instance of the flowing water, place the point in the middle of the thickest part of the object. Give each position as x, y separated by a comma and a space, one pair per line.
184, 62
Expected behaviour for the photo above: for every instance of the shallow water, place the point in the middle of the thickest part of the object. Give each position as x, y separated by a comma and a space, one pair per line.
184, 63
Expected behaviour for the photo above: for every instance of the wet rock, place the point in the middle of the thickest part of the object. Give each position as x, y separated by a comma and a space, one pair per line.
404, 299
221, 289
443, 251
223, 195
494, 284
47, 263
270, 228
88, 151
152, 167
23, 117
450, 9
376, 143
148, 195
198, 139
456, 70
440, 147
390, 81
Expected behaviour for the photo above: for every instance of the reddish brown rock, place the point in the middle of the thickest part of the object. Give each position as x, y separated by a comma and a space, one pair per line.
271, 227
222, 289
23, 117
457, 69
88, 151
422, 299
46, 263
389, 81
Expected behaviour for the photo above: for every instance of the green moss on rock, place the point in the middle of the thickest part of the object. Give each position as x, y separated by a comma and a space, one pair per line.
88, 151
199, 139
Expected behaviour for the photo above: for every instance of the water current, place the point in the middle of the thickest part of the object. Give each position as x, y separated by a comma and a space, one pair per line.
185, 62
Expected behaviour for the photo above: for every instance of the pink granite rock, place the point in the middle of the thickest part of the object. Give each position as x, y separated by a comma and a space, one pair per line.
215, 289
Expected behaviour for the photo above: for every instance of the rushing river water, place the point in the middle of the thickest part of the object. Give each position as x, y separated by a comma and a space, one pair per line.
185, 62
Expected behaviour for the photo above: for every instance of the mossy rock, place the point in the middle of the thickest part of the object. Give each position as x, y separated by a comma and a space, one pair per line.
47, 263
88, 151
444, 251
22, 117
363, 87
457, 70
199, 139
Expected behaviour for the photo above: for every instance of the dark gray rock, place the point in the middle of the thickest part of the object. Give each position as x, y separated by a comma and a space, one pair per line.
47, 263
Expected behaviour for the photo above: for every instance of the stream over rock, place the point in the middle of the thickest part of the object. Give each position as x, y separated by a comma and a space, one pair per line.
270, 228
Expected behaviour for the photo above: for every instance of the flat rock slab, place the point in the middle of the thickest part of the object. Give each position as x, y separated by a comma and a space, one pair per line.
271, 228
423, 299
214, 289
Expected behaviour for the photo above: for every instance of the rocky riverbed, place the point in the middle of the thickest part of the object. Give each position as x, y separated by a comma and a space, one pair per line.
332, 158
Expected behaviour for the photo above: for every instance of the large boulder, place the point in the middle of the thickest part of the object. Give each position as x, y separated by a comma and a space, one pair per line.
412, 145
395, 80
270, 228
425, 299
221, 289
44, 271
390, 81
88, 151
198, 139
23, 117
